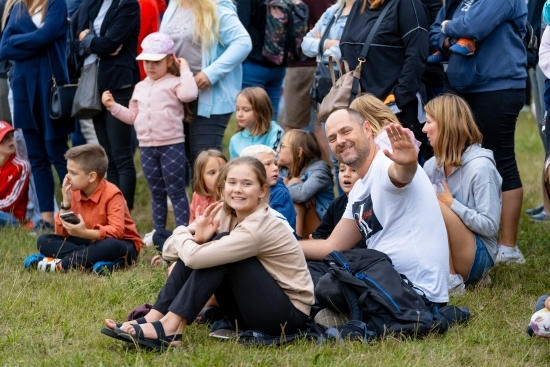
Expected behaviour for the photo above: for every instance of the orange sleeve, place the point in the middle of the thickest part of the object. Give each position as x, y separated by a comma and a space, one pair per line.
115, 209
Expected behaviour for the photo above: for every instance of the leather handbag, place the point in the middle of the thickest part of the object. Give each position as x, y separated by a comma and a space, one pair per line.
87, 99
322, 81
61, 98
347, 87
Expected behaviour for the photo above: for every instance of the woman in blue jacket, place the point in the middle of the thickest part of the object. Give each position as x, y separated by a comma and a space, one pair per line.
209, 35
492, 81
35, 39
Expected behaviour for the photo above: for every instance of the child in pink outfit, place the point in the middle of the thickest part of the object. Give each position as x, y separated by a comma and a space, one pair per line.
157, 112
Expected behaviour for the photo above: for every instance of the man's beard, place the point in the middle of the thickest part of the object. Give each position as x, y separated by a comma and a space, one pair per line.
357, 160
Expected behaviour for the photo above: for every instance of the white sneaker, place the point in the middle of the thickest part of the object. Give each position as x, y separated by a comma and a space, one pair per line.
148, 238
48, 264
509, 255
456, 285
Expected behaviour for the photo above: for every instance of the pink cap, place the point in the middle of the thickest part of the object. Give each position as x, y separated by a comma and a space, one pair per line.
4, 129
156, 46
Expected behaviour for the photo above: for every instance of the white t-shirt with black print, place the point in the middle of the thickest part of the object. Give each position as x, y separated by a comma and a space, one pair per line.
404, 223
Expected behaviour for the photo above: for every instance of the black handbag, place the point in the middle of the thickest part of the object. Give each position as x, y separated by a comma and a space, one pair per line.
87, 100
61, 98
322, 81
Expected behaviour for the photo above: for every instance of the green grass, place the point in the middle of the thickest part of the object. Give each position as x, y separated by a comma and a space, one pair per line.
54, 319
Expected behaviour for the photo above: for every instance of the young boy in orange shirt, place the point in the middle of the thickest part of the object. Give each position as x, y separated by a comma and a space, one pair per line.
106, 235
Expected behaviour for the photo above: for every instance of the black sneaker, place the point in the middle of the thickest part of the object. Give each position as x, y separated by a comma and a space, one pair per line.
536, 210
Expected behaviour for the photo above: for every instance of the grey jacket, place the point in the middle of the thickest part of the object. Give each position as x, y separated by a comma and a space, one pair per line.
476, 188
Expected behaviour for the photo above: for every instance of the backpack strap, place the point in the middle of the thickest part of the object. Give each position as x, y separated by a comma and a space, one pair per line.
365, 50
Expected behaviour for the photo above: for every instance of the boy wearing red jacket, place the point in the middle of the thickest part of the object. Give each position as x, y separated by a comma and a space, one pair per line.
14, 180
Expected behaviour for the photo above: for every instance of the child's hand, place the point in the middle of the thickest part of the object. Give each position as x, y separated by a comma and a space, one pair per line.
202, 81
67, 192
107, 99
445, 197
183, 63
206, 225
76, 230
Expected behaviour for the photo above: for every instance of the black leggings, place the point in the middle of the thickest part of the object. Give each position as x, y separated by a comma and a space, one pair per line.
247, 294
496, 115
116, 138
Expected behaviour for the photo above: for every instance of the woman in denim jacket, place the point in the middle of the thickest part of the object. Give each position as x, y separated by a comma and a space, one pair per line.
310, 44
209, 35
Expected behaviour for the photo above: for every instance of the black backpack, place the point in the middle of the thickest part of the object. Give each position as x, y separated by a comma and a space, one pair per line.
384, 299
531, 44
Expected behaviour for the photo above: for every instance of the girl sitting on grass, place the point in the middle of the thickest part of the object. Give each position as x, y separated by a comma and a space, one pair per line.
253, 265
468, 187
254, 115
307, 177
207, 167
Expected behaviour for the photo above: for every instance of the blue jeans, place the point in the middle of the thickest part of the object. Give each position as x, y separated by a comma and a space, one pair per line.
482, 262
270, 79
8, 220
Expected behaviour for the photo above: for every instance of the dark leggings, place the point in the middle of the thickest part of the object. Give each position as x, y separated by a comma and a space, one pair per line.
116, 138
80, 252
164, 169
496, 114
247, 294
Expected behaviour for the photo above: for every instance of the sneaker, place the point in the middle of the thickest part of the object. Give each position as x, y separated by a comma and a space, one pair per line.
42, 227
464, 47
31, 262
329, 318
540, 217
148, 239
106, 267
536, 210
456, 285
509, 255
437, 58
48, 264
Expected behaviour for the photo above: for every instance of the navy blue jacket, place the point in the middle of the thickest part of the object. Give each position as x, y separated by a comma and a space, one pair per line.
280, 200
500, 60
29, 47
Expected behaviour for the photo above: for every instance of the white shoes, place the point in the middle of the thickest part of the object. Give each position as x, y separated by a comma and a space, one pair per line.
456, 285
48, 264
148, 238
509, 255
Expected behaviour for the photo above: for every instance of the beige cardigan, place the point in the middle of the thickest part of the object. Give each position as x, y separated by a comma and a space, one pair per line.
261, 235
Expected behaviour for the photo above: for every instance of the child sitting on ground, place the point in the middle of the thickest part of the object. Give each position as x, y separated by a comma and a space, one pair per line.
461, 46
279, 197
308, 178
207, 167
347, 178
14, 180
105, 235
254, 113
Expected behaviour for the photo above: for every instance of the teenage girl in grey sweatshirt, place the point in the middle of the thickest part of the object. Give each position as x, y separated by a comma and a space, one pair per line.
468, 187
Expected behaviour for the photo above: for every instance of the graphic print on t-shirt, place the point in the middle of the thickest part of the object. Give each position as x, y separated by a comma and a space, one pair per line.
365, 218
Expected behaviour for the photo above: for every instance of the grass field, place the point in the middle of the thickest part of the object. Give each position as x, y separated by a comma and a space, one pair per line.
54, 319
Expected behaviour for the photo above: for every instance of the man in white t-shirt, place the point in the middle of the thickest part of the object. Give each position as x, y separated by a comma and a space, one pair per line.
393, 205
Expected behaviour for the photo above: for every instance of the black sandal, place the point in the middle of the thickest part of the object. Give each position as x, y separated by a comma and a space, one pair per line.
161, 343
110, 332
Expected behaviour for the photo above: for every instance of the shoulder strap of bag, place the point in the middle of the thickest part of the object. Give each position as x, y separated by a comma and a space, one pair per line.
51, 69
321, 50
363, 55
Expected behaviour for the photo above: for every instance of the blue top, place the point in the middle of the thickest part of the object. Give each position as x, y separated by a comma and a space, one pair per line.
222, 61
500, 60
310, 44
243, 139
281, 201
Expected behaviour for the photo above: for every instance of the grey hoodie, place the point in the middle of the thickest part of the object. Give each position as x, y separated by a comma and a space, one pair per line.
476, 188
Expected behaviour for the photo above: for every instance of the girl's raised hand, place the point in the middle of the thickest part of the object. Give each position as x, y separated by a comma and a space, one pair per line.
182, 62
107, 99
206, 225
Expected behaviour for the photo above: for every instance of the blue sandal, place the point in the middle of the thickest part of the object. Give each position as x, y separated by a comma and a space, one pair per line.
110, 332
161, 343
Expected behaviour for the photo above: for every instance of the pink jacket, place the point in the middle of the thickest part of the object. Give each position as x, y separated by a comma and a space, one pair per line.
156, 108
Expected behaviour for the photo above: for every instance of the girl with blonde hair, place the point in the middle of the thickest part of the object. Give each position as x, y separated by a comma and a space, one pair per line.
468, 187
209, 35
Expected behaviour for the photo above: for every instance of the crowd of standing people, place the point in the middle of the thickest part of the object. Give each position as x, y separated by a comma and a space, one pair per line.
430, 133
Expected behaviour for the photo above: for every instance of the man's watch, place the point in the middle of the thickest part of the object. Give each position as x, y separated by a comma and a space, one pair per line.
61, 206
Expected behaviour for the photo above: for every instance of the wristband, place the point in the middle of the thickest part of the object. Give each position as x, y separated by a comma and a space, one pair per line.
61, 206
